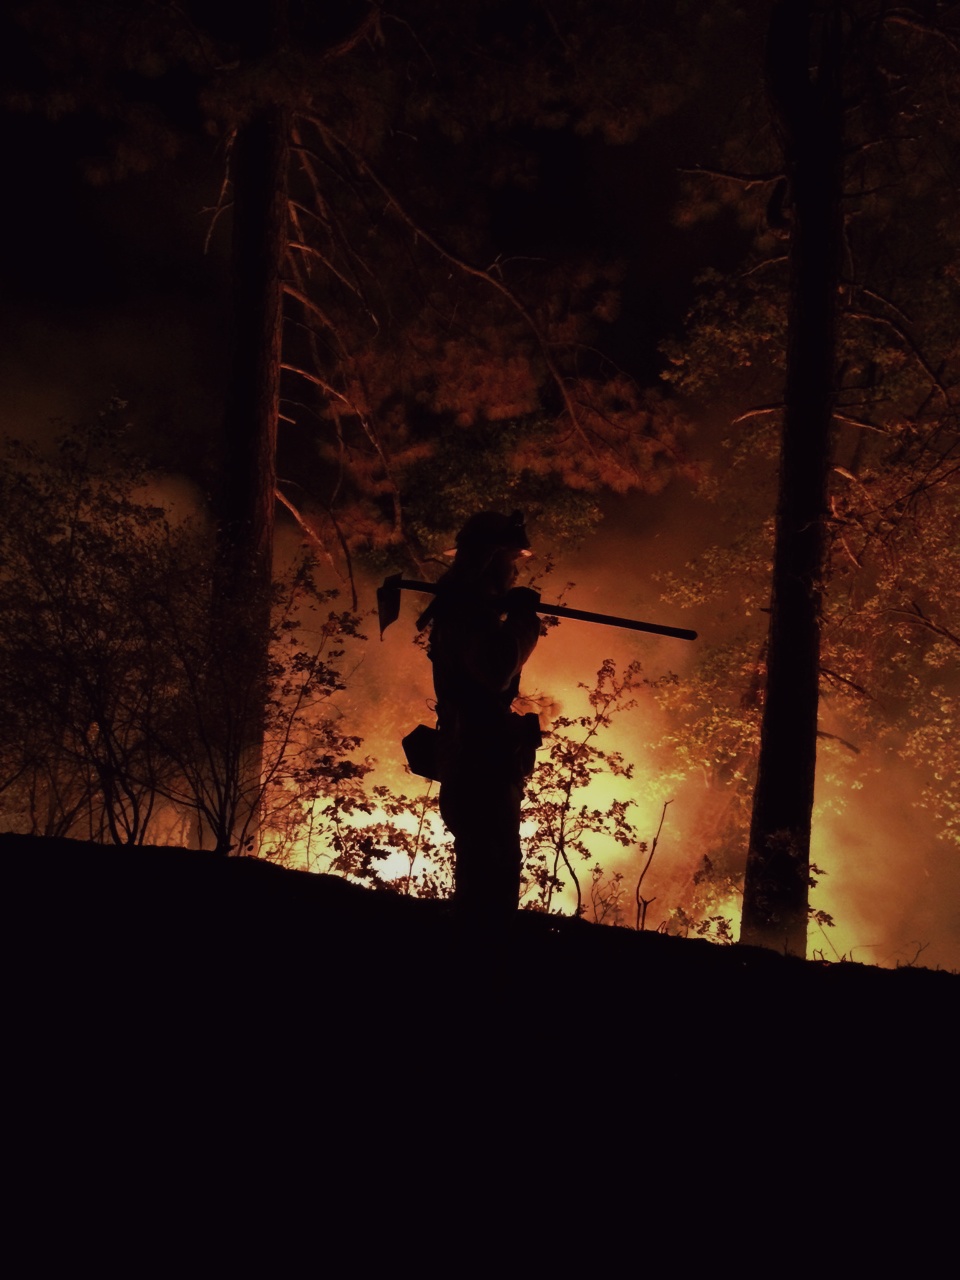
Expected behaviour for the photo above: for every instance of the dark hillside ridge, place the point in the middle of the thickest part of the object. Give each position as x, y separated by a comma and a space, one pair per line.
156, 996
152, 919
169, 907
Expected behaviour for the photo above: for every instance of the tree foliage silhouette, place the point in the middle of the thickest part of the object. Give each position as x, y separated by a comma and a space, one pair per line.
125, 716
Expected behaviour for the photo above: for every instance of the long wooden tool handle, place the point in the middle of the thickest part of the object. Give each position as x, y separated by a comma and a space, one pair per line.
561, 611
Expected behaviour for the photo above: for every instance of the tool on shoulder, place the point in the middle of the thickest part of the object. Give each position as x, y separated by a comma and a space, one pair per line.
388, 608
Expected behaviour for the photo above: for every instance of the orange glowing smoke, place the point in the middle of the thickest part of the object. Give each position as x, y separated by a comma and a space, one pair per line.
883, 881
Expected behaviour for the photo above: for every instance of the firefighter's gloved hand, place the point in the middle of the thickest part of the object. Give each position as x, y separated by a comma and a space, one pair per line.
522, 600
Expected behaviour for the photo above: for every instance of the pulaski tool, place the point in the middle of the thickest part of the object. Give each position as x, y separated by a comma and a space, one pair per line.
388, 608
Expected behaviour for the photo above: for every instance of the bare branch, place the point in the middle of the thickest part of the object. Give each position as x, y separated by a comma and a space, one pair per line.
469, 269
309, 305
369, 24
757, 412
317, 541
323, 385
884, 301
899, 332
916, 614
222, 202
746, 180
852, 684
371, 435
855, 560
299, 246
850, 421
310, 213
833, 737
910, 19
778, 261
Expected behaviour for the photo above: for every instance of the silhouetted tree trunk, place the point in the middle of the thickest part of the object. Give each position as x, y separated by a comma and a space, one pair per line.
248, 482
259, 163
804, 69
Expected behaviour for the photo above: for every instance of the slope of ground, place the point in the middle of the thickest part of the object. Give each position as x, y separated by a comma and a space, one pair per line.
234, 1022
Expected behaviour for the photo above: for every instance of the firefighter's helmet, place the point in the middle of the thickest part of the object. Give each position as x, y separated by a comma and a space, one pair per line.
489, 531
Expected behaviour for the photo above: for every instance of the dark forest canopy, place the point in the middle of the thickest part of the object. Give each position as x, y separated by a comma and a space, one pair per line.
432, 143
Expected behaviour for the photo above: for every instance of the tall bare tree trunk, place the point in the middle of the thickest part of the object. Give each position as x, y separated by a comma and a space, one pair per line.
808, 108
259, 180
246, 507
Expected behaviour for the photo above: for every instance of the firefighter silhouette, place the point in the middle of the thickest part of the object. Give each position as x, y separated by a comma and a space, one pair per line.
483, 630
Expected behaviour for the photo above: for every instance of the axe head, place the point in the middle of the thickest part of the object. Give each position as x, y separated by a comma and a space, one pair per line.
388, 601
